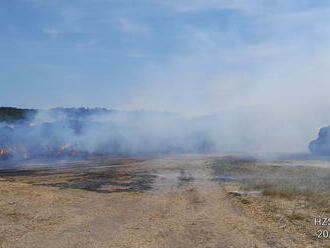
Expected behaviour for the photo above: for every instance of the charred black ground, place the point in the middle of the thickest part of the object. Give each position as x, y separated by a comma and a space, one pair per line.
102, 176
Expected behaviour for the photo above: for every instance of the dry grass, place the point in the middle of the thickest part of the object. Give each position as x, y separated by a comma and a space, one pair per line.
185, 207
177, 213
291, 197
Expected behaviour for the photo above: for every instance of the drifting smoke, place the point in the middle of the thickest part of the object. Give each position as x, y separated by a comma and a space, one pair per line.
256, 74
72, 132
77, 132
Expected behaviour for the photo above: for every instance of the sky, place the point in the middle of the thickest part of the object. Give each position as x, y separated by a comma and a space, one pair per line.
195, 57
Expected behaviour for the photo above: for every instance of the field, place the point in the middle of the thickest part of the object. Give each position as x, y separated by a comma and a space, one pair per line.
169, 201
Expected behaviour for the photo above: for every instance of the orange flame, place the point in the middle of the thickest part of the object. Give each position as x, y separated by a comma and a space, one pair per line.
65, 146
4, 151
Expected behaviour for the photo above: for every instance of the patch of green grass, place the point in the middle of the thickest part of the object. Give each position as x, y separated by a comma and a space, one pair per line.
295, 216
287, 194
272, 190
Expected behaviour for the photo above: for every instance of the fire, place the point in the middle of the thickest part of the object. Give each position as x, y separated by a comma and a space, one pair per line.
65, 146
21, 151
4, 151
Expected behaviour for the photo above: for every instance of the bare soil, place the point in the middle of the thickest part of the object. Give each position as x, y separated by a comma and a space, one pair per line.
174, 201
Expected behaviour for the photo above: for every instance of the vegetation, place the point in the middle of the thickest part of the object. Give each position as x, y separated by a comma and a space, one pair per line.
9, 114
80, 113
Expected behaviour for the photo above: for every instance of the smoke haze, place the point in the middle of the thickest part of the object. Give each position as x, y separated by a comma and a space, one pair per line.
187, 76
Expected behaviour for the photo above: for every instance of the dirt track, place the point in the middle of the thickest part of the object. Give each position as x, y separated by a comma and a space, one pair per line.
165, 202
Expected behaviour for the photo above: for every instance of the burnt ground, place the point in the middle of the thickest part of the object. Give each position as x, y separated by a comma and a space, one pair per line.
105, 176
174, 201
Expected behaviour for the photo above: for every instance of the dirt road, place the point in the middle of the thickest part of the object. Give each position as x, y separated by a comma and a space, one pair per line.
164, 202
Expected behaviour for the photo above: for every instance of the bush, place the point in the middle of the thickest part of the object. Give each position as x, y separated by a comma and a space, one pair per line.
9, 114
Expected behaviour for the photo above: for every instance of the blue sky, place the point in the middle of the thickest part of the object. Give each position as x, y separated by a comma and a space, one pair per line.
194, 57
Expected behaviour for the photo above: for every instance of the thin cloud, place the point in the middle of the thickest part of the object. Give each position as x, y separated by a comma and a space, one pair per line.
83, 45
131, 27
204, 5
53, 33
